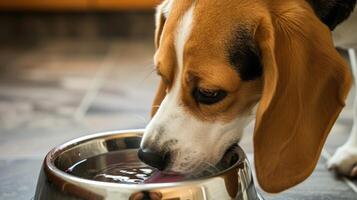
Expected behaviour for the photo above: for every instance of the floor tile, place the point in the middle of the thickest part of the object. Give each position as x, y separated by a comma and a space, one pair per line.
18, 178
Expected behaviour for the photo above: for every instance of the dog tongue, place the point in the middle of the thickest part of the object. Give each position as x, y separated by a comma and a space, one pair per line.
159, 177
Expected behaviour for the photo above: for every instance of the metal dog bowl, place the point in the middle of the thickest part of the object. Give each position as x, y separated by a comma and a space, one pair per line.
54, 183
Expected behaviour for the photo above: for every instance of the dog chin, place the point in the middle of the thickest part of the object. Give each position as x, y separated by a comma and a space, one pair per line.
204, 167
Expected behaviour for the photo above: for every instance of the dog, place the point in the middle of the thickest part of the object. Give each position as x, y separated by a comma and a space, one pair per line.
224, 63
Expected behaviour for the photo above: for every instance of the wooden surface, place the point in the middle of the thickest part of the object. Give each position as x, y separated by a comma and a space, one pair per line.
65, 5
56, 90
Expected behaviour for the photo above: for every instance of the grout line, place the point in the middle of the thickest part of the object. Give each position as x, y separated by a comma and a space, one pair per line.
326, 155
94, 88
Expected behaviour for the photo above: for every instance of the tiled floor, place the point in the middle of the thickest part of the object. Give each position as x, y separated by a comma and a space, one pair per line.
54, 91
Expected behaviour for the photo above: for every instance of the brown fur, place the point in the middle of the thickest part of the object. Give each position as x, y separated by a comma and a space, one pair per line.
301, 93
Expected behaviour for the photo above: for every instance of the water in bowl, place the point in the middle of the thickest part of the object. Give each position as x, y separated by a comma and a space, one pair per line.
125, 167
119, 167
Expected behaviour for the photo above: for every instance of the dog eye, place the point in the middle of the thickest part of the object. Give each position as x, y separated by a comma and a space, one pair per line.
208, 97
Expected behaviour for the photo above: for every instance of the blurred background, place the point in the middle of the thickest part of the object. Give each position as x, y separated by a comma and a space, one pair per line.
70, 68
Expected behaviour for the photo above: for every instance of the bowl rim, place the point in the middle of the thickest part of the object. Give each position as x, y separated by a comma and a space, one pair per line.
51, 168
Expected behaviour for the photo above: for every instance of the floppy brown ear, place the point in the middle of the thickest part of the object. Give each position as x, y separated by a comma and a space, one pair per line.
160, 22
305, 86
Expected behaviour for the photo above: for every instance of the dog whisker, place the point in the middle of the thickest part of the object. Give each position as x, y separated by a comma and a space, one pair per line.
139, 117
209, 170
198, 167
149, 73
210, 165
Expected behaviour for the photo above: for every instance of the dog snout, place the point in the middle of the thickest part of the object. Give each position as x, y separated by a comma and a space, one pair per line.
155, 158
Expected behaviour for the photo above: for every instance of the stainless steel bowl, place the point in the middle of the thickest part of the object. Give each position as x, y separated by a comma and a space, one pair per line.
54, 183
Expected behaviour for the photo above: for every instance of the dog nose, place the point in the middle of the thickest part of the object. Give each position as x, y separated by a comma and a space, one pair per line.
155, 159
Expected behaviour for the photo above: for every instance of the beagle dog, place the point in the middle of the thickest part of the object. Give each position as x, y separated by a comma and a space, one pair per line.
224, 63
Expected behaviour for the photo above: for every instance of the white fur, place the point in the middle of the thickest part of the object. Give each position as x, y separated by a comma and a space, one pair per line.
194, 144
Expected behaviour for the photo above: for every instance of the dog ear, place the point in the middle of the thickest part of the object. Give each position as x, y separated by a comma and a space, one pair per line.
159, 22
332, 12
305, 86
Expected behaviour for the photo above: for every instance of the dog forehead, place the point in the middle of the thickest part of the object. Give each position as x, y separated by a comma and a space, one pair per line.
214, 24
213, 20
216, 28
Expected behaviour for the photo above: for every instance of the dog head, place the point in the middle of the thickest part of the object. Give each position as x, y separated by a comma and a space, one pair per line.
222, 63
